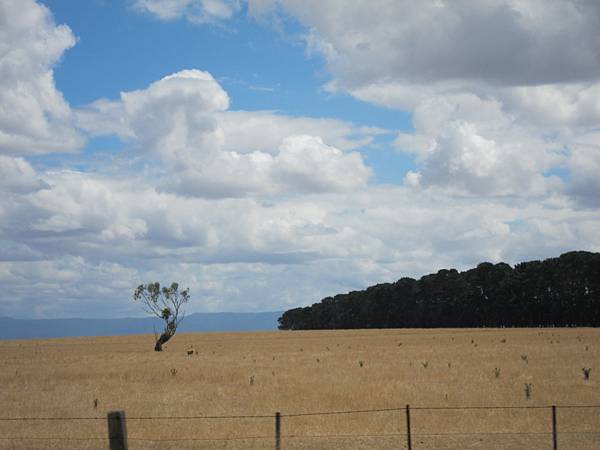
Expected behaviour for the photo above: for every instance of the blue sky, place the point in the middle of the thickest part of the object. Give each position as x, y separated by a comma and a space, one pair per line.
262, 67
267, 153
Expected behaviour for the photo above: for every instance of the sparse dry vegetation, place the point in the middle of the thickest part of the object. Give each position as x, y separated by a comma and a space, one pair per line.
261, 373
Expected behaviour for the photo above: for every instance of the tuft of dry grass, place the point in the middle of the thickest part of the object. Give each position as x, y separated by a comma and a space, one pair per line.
261, 373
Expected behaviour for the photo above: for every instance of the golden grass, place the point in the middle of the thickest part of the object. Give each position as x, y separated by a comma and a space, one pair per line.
298, 372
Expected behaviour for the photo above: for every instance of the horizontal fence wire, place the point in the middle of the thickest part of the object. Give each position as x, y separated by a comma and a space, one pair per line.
467, 408
215, 439
16, 419
579, 432
576, 406
53, 438
483, 433
330, 413
302, 414
487, 433
261, 416
341, 436
291, 436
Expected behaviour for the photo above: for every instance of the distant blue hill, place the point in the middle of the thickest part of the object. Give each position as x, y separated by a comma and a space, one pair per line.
200, 322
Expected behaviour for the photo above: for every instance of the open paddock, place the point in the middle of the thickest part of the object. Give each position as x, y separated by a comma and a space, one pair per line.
178, 400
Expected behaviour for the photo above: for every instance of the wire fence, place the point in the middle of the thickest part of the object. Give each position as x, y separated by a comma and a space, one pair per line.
572, 427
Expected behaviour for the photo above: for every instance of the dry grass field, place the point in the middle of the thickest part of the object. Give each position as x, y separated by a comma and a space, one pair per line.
246, 374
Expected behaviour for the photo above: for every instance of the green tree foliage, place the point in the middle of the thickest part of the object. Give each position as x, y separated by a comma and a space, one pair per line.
166, 303
562, 291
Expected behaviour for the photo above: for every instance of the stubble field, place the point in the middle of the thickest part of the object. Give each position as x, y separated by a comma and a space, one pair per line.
226, 393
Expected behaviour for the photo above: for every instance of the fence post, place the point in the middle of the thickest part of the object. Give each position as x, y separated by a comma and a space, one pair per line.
277, 431
117, 430
408, 438
554, 429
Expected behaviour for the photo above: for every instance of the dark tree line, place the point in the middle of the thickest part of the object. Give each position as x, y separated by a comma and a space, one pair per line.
562, 291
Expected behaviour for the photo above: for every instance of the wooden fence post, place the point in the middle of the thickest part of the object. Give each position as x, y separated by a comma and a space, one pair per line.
277, 431
117, 430
554, 430
408, 437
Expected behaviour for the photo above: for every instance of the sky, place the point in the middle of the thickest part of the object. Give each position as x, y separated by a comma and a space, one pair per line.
269, 153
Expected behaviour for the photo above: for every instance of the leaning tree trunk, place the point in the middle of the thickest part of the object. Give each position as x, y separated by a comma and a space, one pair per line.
161, 340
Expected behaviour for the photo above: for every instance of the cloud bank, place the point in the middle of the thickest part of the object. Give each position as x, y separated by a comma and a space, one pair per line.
502, 93
177, 120
256, 210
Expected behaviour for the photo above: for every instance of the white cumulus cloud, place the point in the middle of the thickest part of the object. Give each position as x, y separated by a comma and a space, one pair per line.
34, 117
80, 245
504, 42
17, 175
196, 11
207, 151
500, 91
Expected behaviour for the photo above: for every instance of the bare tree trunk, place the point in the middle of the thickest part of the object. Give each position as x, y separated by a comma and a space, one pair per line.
161, 340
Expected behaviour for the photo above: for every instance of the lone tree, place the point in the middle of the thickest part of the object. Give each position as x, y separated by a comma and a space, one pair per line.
165, 303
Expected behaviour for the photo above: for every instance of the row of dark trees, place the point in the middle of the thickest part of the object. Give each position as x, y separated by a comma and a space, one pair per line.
562, 291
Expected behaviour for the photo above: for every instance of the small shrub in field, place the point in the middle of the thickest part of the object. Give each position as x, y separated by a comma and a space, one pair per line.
503, 341
95, 403
251, 380
586, 373
497, 372
528, 388
524, 358
173, 371
425, 364
361, 363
